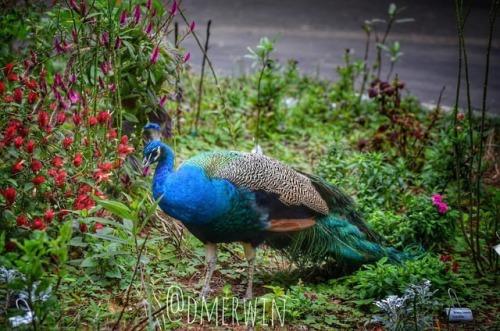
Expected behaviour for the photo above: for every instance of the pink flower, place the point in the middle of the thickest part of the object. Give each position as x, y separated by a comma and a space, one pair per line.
174, 9
437, 198
61, 47
123, 17
148, 4
149, 28
192, 26
187, 57
163, 100
104, 39
442, 207
137, 14
74, 96
154, 56
118, 42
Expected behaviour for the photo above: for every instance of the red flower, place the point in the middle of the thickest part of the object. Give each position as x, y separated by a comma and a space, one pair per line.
61, 214
83, 227
77, 160
101, 176
112, 134
93, 121
105, 166
454, 267
77, 119
61, 118
18, 95
57, 161
30, 147
9, 195
18, 142
18, 167
10, 245
38, 224
36, 166
38, 180
83, 201
22, 221
13, 78
8, 99
32, 84
43, 120
98, 226
32, 96
124, 150
84, 189
9, 133
103, 117
2, 88
48, 216
67, 142
60, 178
52, 172
7, 70
124, 140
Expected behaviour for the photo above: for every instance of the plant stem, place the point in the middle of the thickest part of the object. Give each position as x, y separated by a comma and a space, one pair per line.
492, 18
127, 297
200, 86
221, 95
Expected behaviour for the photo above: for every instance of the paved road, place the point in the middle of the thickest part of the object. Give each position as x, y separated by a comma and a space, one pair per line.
316, 33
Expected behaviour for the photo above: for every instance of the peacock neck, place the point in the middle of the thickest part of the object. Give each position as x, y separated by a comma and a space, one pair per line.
164, 169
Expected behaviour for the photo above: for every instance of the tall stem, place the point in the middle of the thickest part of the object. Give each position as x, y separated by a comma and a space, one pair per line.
200, 86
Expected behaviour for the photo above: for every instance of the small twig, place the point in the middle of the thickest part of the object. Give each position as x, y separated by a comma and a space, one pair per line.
200, 86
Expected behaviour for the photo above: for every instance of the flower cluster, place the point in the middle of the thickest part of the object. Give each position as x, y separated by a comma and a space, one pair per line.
55, 156
311, 297
451, 264
437, 200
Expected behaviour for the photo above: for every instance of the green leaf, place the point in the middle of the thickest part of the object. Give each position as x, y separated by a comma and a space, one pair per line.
77, 242
89, 262
110, 238
116, 208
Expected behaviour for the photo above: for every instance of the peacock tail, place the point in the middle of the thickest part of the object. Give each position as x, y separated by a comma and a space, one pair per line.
341, 236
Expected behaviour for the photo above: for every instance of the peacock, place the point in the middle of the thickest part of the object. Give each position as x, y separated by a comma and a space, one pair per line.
229, 196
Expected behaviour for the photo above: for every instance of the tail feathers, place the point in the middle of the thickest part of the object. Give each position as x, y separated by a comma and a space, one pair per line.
340, 203
335, 239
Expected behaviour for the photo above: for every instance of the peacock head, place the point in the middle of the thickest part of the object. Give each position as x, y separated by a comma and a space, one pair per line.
156, 151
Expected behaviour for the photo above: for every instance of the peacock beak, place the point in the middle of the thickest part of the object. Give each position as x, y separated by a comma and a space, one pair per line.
146, 162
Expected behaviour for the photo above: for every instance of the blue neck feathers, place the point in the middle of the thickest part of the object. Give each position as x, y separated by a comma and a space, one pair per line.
164, 168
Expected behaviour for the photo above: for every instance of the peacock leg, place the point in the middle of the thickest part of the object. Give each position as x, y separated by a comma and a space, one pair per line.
250, 256
210, 261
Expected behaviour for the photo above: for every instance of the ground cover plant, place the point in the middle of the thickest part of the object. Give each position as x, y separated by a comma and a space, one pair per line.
83, 246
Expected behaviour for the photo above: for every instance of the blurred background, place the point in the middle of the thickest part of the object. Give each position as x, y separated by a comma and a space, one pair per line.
317, 34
